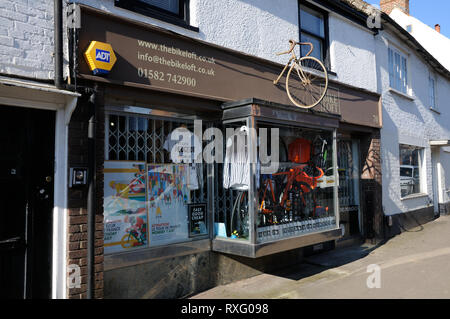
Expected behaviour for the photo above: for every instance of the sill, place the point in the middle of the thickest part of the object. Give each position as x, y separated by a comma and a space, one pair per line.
412, 196
331, 73
406, 96
146, 255
178, 23
435, 111
155, 14
247, 249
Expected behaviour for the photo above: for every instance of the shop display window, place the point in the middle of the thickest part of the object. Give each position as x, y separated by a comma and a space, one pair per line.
292, 195
298, 198
155, 192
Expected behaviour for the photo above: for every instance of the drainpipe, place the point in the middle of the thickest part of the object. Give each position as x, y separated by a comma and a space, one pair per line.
91, 196
58, 43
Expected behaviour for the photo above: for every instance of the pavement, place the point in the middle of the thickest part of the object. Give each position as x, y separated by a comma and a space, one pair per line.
413, 265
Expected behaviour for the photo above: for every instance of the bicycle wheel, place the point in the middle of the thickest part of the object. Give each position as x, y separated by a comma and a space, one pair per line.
307, 82
307, 197
128, 241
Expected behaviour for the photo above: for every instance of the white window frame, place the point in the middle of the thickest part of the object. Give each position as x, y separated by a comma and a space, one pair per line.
421, 169
398, 71
432, 101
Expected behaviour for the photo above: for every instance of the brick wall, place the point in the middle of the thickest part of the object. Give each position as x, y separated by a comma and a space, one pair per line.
26, 38
389, 5
77, 200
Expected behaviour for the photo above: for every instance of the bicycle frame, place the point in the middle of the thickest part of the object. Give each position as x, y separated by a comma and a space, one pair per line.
294, 58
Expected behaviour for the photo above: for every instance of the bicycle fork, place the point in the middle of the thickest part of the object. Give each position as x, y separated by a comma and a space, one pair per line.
282, 72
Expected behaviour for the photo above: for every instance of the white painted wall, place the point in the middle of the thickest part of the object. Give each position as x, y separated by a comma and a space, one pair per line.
352, 53
439, 46
409, 121
26, 38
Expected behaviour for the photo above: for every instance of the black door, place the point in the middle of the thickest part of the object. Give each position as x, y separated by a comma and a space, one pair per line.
27, 138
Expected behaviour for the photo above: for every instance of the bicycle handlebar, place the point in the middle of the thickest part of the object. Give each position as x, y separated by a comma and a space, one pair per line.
294, 43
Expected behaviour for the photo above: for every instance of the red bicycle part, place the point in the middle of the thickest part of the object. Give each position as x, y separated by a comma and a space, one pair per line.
268, 184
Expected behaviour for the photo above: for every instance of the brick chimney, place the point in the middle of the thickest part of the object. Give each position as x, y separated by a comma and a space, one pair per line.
388, 5
437, 27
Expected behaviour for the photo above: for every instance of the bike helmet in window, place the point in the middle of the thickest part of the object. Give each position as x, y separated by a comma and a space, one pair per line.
300, 151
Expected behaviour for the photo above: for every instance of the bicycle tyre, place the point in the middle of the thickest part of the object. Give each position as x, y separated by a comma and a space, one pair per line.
320, 73
128, 241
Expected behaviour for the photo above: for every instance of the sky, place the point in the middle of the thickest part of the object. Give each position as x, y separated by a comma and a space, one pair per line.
430, 12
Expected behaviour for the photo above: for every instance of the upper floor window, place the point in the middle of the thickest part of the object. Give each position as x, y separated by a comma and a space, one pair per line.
313, 29
432, 91
398, 71
172, 11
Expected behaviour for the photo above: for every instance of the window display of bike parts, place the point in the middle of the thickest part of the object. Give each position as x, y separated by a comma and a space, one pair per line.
290, 195
298, 206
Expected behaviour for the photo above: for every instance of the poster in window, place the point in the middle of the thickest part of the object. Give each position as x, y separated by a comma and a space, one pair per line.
168, 197
197, 220
125, 210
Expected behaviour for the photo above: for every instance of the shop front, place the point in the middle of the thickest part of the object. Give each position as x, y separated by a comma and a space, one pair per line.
205, 172
286, 200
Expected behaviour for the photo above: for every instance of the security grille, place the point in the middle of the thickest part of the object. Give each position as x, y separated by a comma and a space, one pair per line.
223, 198
140, 138
346, 174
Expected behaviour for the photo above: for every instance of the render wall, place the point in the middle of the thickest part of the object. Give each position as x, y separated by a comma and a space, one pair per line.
409, 120
437, 44
352, 53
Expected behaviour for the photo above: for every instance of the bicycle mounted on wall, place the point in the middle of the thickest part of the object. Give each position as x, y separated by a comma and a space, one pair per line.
307, 85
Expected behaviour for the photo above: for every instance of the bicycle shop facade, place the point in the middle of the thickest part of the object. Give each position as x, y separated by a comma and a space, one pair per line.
168, 228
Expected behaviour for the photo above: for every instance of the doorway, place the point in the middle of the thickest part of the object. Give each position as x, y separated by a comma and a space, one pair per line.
27, 144
349, 188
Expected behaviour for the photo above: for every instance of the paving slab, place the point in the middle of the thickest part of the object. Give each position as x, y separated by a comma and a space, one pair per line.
414, 264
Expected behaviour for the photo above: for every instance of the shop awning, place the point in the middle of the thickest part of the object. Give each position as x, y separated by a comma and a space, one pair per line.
440, 143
